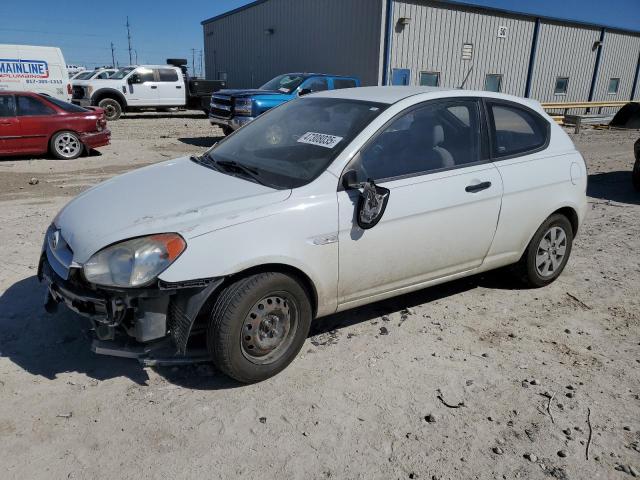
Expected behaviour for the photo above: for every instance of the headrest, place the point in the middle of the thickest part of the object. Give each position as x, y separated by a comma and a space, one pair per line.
438, 135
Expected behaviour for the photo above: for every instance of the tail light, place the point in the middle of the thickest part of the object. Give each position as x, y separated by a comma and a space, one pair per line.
101, 123
69, 89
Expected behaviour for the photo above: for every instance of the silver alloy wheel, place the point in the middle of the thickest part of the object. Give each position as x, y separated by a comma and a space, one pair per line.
551, 251
268, 329
67, 145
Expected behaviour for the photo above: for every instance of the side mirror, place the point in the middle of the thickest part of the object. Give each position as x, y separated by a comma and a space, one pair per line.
135, 78
371, 205
304, 91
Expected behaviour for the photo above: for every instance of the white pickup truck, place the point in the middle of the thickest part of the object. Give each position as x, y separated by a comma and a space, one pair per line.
145, 87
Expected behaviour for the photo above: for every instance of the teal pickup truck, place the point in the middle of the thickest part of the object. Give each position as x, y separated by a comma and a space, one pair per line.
231, 109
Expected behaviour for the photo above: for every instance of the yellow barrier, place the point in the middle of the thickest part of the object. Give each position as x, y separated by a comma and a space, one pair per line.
568, 105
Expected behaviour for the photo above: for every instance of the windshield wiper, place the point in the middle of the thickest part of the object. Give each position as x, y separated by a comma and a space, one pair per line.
239, 167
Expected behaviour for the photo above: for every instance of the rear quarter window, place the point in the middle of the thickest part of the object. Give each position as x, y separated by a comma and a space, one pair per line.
168, 75
516, 130
343, 83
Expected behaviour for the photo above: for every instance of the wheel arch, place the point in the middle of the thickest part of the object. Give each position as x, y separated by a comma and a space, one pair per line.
287, 269
103, 93
571, 215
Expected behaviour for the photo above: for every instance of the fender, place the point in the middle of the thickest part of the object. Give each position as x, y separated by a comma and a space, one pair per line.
108, 92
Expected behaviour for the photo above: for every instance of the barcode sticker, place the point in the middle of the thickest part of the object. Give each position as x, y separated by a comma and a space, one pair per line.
320, 139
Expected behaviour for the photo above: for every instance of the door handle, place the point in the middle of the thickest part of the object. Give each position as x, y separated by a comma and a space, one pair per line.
477, 187
178, 86
153, 87
5, 123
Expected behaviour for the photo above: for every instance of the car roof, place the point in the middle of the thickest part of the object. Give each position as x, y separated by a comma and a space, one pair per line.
394, 94
312, 74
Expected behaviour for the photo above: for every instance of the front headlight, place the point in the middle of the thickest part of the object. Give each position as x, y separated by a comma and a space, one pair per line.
134, 263
244, 106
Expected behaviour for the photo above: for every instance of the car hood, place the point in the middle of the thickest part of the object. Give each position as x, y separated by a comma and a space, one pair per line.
175, 196
247, 93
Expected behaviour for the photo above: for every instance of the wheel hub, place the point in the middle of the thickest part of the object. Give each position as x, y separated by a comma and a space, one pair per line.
551, 251
267, 329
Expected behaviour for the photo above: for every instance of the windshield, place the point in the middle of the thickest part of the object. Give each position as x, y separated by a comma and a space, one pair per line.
120, 74
291, 145
84, 76
284, 83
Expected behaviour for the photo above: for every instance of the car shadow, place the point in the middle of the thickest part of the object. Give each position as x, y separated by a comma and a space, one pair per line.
200, 141
48, 345
150, 115
614, 186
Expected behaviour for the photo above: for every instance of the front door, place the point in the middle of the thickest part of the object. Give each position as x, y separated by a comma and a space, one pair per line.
400, 76
443, 205
144, 91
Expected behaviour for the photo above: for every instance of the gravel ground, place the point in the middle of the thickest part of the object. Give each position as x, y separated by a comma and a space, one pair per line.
367, 397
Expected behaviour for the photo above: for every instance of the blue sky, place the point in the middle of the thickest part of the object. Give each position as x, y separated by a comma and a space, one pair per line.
163, 28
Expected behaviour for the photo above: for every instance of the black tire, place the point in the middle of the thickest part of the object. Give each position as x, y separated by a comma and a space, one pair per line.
527, 268
66, 145
233, 328
112, 109
635, 175
227, 130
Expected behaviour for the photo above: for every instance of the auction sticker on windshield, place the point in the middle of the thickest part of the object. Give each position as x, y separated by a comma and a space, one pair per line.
320, 139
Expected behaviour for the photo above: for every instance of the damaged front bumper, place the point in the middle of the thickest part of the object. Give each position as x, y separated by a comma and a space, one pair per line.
130, 322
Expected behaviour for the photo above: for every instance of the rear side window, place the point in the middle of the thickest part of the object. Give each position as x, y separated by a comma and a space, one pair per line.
7, 106
343, 83
516, 130
316, 84
168, 75
66, 106
29, 106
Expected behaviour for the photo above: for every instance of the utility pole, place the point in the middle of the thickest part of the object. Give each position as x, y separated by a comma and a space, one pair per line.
193, 62
113, 56
129, 39
201, 63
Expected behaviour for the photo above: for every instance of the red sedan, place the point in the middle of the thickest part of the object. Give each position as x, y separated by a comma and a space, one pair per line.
31, 123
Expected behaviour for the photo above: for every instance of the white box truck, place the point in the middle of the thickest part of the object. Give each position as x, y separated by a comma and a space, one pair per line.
28, 68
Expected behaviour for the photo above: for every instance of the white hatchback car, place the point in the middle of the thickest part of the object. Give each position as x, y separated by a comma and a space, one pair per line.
331, 201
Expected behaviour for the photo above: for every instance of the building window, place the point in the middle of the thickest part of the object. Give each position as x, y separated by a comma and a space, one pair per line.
430, 79
493, 82
614, 83
467, 51
562, 83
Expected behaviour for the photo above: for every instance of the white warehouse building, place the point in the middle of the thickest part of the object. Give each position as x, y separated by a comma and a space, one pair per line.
424, 42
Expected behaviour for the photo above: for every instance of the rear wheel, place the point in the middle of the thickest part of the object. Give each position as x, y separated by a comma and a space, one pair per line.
548, 252
111, 107
258, 325
66, 145
227, 130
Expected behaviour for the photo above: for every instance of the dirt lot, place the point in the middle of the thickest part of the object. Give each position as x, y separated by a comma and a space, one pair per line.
361, 401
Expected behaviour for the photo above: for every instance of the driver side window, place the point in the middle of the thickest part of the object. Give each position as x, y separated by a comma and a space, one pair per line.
437, 136
316, 84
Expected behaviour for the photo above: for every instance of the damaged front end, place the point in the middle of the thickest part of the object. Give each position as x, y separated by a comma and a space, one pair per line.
139, 322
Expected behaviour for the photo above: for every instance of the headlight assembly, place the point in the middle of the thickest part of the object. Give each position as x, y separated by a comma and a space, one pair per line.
244, 106
135, 262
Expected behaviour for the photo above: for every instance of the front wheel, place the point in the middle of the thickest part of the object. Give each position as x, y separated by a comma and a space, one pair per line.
112, 109
547, 253
258, 325
66, 145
